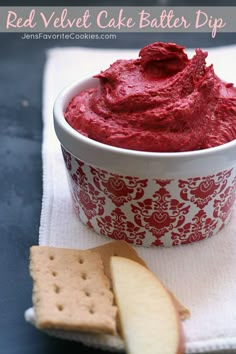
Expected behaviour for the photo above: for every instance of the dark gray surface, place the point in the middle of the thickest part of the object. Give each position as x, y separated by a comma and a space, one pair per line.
21, 69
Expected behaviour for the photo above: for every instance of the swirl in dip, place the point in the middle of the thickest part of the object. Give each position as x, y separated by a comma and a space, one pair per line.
161, 102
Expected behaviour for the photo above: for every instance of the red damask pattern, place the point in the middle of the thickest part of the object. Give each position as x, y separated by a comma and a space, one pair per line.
67, 158
116, 226
85, 194
200, 228
118, 188
160, 214
201, 190
223, 204
151, 212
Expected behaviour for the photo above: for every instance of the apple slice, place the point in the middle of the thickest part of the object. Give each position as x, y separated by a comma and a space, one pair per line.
150, 322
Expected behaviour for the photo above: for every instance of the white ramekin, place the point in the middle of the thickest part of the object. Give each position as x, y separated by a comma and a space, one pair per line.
145, 198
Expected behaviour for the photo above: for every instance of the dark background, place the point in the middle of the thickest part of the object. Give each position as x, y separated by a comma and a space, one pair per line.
21, 69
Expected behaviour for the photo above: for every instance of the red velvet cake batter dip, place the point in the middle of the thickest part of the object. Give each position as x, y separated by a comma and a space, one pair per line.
161, 102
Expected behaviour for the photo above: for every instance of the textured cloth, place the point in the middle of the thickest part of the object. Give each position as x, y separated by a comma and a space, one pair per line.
202, 275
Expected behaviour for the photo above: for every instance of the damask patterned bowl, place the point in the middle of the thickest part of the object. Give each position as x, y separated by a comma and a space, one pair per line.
149, 199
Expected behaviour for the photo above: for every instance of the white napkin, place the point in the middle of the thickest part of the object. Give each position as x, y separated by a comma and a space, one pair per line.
202, 275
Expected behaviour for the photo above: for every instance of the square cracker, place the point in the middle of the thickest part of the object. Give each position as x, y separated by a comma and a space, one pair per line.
71, 291
123, 249
116, 248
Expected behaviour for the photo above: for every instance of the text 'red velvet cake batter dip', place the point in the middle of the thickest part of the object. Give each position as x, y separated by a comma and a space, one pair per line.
160, 102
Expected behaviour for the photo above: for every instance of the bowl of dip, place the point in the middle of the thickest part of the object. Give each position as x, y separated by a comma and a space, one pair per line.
149, 147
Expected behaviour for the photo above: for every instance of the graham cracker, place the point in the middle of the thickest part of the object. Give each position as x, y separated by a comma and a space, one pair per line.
124, 249
71, 291
116, 248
